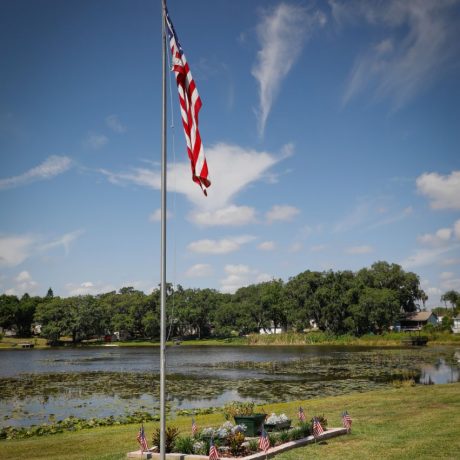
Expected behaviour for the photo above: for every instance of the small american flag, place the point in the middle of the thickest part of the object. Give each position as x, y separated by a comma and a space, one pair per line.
264, 442
317, 428
301, 414
346, 420
213, 454
190, 105
194, 427
141, 439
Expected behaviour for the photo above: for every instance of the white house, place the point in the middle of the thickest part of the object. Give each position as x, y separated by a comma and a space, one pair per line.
456, 325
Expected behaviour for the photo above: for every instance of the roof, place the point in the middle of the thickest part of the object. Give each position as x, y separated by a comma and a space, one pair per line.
419, 316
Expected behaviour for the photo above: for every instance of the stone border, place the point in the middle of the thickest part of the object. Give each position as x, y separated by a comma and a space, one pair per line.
330, 433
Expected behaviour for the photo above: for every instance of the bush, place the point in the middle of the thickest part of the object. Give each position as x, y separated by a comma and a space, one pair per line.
238, 408
283, 437
321, 419
184, 445
235, 442
253, 445
171, 434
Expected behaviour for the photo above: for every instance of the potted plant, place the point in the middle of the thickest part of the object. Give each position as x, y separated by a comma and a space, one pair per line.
243, 413
277, 422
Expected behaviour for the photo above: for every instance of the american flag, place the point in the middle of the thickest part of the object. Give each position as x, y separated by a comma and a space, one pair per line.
213, 454
264, 442
317, 428
190, 105
141, 439
301, 414
194, 427
346, 420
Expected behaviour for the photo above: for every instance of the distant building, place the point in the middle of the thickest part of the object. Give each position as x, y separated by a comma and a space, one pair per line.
270, 330
416, 320
456, 325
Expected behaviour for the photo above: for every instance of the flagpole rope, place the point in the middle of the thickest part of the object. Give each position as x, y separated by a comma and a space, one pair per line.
174, 178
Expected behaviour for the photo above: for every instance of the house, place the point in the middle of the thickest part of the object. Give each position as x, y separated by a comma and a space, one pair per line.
456, 325
416, 320
270, 330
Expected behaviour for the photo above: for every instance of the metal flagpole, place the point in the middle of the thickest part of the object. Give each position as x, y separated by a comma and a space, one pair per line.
163, 248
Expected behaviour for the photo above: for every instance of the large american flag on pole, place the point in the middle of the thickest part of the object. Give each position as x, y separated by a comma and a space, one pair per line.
190, 105
141, 440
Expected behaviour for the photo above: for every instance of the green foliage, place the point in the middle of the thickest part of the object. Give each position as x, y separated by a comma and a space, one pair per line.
184, 445
171, 434
238, 408
283, 436
321, 419
253, 445
235, 442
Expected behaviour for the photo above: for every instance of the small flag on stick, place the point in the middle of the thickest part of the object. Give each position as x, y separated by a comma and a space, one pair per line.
194, 427
213, 454
301, 414
346, 421
264, 442
141, 440
317, 428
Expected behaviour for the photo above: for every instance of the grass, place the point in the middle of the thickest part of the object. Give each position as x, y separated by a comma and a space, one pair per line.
402, 423
13, 342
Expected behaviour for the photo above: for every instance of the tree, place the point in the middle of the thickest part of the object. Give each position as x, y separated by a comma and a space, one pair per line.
453, 297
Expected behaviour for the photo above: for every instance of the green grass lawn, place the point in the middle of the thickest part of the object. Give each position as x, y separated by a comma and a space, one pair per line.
419, 422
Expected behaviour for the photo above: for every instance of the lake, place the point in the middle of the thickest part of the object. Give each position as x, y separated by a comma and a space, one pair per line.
38, 386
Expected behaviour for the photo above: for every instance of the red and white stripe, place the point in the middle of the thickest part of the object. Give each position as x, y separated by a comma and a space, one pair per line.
190, 105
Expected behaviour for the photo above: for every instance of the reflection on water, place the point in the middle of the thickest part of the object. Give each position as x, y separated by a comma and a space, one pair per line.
37, 386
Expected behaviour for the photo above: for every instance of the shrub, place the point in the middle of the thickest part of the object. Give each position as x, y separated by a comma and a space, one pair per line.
238, 408
253, 445
235, 442
171, 434
184, 445
321, 419
296, 433
273, 438
283, 436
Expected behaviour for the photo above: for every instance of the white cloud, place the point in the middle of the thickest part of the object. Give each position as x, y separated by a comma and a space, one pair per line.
421, 42
222, 246
281, 213
231, 216
51, 167
95, 141
442, 191
457, 229
281, 34
451, 284
295, 247
446, 275
450, 261
359, 250
231, 168
88, 287
114, 123
423, 257
318, 248
23, 283
241, 275
442, 236
266, 246
199, 271
156, 215
65, 241
15, 249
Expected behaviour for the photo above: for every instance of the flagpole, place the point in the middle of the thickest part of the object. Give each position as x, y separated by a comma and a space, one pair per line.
163, 248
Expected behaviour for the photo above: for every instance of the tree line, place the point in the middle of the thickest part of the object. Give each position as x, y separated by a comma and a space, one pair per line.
339, 302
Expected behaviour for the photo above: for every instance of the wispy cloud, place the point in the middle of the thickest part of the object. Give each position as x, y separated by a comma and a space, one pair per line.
222, 246
95, 141
63, 241
230, 216
423, 257
281, 213
281, 34
15, 249
156, 215
88, 287
442, 191
199, 271
422, 37
51, 167
355, 250
115, 124
266, 246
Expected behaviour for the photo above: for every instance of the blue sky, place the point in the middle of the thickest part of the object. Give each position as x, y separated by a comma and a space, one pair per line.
331, 131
